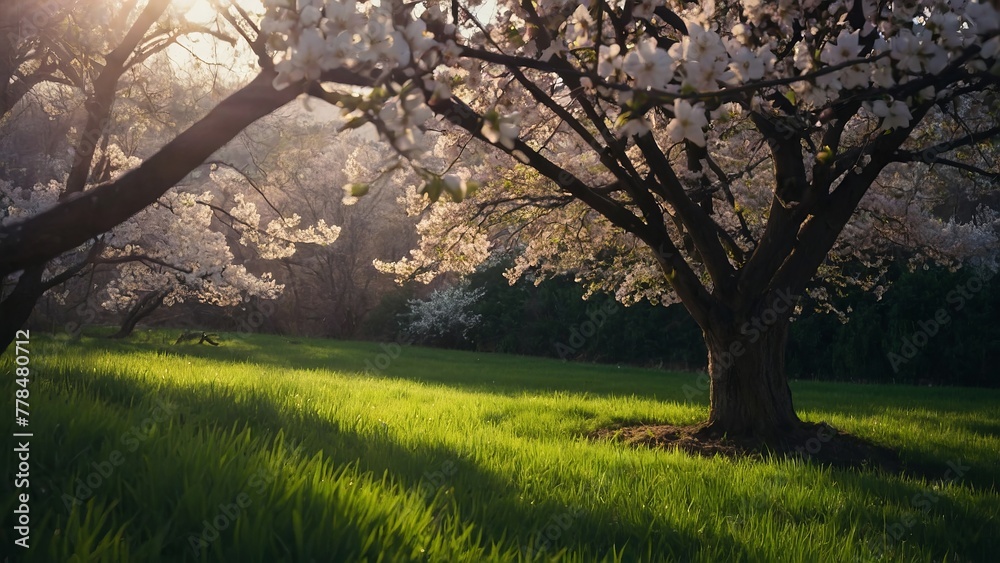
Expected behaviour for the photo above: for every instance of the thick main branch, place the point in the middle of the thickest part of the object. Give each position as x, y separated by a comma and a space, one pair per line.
95, 211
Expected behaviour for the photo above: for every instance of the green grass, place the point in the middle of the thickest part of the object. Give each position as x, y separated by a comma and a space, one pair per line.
449, 456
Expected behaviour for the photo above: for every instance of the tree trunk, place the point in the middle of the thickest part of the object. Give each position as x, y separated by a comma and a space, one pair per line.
17, 307
142, 309
749, 393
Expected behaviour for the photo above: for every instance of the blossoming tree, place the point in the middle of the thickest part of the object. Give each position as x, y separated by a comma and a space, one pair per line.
733, 141
176, 250
445, 317
169, 252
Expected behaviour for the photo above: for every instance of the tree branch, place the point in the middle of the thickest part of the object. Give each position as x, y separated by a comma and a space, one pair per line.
701, 227
90, 213
75, 269
910, 156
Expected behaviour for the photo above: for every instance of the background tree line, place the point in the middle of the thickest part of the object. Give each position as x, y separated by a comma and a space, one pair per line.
852, 344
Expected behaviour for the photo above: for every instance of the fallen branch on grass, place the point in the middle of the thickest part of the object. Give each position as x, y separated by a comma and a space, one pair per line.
202, 337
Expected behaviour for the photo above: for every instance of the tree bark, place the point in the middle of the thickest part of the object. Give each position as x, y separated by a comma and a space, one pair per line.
17, 307
142, 309
749, 393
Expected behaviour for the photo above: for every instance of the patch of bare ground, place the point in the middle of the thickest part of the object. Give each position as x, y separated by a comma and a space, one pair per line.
816, 442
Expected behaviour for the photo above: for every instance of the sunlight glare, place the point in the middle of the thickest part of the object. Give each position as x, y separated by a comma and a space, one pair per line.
197, 50
197, 11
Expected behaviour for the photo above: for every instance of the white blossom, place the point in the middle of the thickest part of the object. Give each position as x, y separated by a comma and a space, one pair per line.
502, 130
893, 115
689, 123
649, 65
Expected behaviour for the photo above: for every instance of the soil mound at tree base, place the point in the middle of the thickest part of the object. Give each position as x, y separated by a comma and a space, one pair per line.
820, 443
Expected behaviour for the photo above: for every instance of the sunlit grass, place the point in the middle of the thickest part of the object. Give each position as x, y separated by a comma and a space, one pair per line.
446, 456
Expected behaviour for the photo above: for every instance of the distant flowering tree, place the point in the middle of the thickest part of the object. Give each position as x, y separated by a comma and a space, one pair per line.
720, 154
174, 250
445, 317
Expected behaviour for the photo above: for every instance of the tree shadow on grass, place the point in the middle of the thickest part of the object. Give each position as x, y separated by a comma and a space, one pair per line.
471, 371
492, 502
926, 517
514, 376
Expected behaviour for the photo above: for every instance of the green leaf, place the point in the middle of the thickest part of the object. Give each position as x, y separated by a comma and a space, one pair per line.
357, 190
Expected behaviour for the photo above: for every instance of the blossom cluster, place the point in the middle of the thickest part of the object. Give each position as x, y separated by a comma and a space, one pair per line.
895, 44
172, 246
445, 314
278, 239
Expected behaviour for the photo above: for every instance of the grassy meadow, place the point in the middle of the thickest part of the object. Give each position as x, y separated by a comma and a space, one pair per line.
276, 449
